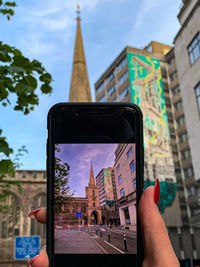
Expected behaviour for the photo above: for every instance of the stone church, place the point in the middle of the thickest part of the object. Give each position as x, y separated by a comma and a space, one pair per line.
88, 206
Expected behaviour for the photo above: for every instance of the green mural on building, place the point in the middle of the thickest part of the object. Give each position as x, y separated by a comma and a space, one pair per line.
108, 187
147, 92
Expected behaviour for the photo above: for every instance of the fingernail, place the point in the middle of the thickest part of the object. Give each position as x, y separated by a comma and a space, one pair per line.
32, 213
31, 261
156, 191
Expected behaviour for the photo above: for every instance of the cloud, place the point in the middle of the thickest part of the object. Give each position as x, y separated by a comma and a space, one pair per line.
146, 7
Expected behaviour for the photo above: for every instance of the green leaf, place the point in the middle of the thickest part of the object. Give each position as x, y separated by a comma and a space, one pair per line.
22, 62
7, 11
3, 92
27, 85
15, 69
10, 4
46, 89
6, 166
46, 78
16, 52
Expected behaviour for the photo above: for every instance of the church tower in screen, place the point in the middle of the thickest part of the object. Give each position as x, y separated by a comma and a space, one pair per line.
92, 194
80, 87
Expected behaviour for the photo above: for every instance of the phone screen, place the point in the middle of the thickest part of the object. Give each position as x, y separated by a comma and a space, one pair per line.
95, 198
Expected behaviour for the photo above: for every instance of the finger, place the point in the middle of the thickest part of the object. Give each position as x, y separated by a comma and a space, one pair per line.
157, 244
40, 260
39, 214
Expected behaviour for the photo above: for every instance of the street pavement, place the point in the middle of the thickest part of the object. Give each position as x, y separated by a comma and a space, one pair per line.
70, 242
94, 239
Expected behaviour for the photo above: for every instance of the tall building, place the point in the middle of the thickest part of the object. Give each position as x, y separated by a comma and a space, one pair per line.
187, 57
125, 180
136, 76
80, 87
105, 180
148, 77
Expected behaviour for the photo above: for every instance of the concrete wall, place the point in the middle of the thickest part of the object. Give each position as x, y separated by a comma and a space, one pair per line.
189, 77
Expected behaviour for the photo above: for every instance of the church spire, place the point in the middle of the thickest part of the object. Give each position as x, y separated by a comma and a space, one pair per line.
91, 181
80, 87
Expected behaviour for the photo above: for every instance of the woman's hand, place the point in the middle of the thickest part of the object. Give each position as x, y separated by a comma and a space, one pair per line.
157, 245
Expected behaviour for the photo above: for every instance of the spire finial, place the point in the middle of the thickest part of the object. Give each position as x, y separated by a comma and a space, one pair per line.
78, 11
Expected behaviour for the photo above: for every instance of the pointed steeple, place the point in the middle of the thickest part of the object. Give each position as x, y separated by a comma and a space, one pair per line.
91, 181
80, 87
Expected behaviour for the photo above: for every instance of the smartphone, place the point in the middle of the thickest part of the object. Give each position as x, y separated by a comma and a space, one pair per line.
95, 161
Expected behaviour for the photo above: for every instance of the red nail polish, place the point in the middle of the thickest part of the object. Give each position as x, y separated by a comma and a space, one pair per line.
31, 261
156, 191
32, 213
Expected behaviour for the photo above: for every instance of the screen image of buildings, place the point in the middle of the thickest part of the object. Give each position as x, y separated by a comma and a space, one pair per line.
110, 197
108, 209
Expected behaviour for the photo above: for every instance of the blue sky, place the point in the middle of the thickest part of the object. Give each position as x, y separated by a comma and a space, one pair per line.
45, 30
79, 157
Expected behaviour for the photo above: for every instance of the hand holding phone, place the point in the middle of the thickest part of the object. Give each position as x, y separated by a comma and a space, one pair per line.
157, 245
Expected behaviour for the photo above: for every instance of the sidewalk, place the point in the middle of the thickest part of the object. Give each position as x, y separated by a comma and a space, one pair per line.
74, 242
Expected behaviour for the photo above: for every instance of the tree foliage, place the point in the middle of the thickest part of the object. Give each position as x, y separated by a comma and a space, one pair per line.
62, 194
18, 76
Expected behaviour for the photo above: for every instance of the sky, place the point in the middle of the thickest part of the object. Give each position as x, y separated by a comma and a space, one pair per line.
45, 30
79, 157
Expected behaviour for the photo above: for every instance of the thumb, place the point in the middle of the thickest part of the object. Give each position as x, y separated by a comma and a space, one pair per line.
157, 245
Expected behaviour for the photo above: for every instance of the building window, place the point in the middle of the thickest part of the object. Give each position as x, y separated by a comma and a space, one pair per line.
127, 216
118, 167
132, 166
122, 193
191, 191
175, 90
24, 174
37, 228
101, 88
178, 105
183, 137
185, 154
180, 121
111, 90
120, 179
172, 61
134, 184
173, 76
129, 153
35, 175
188, 172
194, 49
102, 99
122, 64
94, 204
197, 91
123, 78
124, 93
110, 77
10, 217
